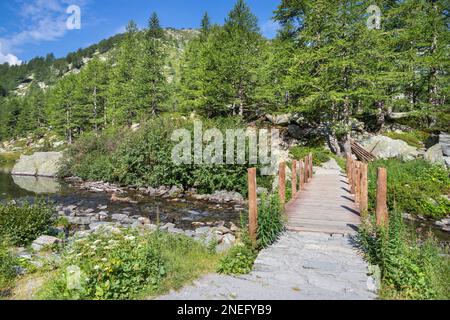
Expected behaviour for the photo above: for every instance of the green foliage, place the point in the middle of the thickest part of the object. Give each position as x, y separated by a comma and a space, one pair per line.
410, 269
270, 220
415, 138
128, 265
320, 155
144, 158
7, 268
113, 266
23, 223
416, 187
239, 260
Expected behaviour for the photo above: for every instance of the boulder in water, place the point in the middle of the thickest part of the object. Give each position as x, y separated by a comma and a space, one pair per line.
43, 164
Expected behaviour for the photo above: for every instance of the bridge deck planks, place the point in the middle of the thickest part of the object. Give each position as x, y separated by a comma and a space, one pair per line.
325, 205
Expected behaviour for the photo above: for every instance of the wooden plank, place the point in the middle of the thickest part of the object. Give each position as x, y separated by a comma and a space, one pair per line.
364, 190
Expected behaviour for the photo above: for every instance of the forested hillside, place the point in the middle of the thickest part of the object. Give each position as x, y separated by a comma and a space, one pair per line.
326, 64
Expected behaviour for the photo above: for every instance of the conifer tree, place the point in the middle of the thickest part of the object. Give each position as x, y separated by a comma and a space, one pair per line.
152, 81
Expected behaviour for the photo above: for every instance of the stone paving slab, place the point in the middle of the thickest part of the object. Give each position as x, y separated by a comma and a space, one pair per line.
300, 266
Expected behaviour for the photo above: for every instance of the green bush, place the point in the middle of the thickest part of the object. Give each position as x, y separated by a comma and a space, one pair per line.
23, 223
320, 155
416, 187
7, 270
239, 260
112, 265
144, 158
409, 269
270, 220
415, 138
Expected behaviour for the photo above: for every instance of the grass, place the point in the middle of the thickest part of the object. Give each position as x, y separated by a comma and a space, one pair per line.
414, 138
416, 187
411, 268
8, 157
186, 259
320, 155
128, 265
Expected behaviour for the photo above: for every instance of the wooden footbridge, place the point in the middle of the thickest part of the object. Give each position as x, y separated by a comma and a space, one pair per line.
323, 200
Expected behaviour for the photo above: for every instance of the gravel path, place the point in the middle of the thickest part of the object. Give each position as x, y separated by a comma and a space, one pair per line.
299, 266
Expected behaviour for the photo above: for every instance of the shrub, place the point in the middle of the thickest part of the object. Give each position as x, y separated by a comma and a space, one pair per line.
416, 187
113, 266
410, 269
23, 223
7, 268
270, 220
144, 158
320, 155
239, 260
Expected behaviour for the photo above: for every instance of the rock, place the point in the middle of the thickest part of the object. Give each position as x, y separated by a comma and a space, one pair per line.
331, 165
227, 243
447, 161
202, 230
44, 241
101, 216
222, 230
82, 234
97, 225
444, 141
168, 226
296, 132
189, 233
385, 147
174, 192
144, 220
116, 198
226, 196
233, 227
122, 218
89, 211
135, 127
282, 119
79, 220
44, 164
198, 224
100, 207
435, 155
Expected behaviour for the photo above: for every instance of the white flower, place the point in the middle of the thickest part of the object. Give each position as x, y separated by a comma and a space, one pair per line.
130, 238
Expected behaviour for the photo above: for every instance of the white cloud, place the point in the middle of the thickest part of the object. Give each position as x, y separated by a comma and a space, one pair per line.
8, 58
42, 20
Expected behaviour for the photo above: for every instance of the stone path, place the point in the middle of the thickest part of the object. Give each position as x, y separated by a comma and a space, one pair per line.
300, 266
315, 259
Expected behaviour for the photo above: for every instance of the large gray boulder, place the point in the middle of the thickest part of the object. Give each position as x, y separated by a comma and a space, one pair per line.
43, 164
435, 155
444, 141
282, 119
385, 147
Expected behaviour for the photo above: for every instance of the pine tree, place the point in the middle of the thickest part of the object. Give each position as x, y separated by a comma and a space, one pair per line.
122, 99
152, 81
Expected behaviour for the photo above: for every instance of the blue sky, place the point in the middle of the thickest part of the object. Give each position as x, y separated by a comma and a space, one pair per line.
30, 28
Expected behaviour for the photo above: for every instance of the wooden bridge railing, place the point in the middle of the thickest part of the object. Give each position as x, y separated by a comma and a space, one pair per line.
357, 173
302, 173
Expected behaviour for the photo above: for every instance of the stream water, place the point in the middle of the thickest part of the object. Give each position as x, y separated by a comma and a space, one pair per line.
181, 212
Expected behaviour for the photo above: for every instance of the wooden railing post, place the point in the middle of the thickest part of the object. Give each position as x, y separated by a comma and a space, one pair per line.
294, 178
353, 179
306, 170
381, 209
364, 190
301, 175
311, 170
358, 182
252, 205
282, 183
